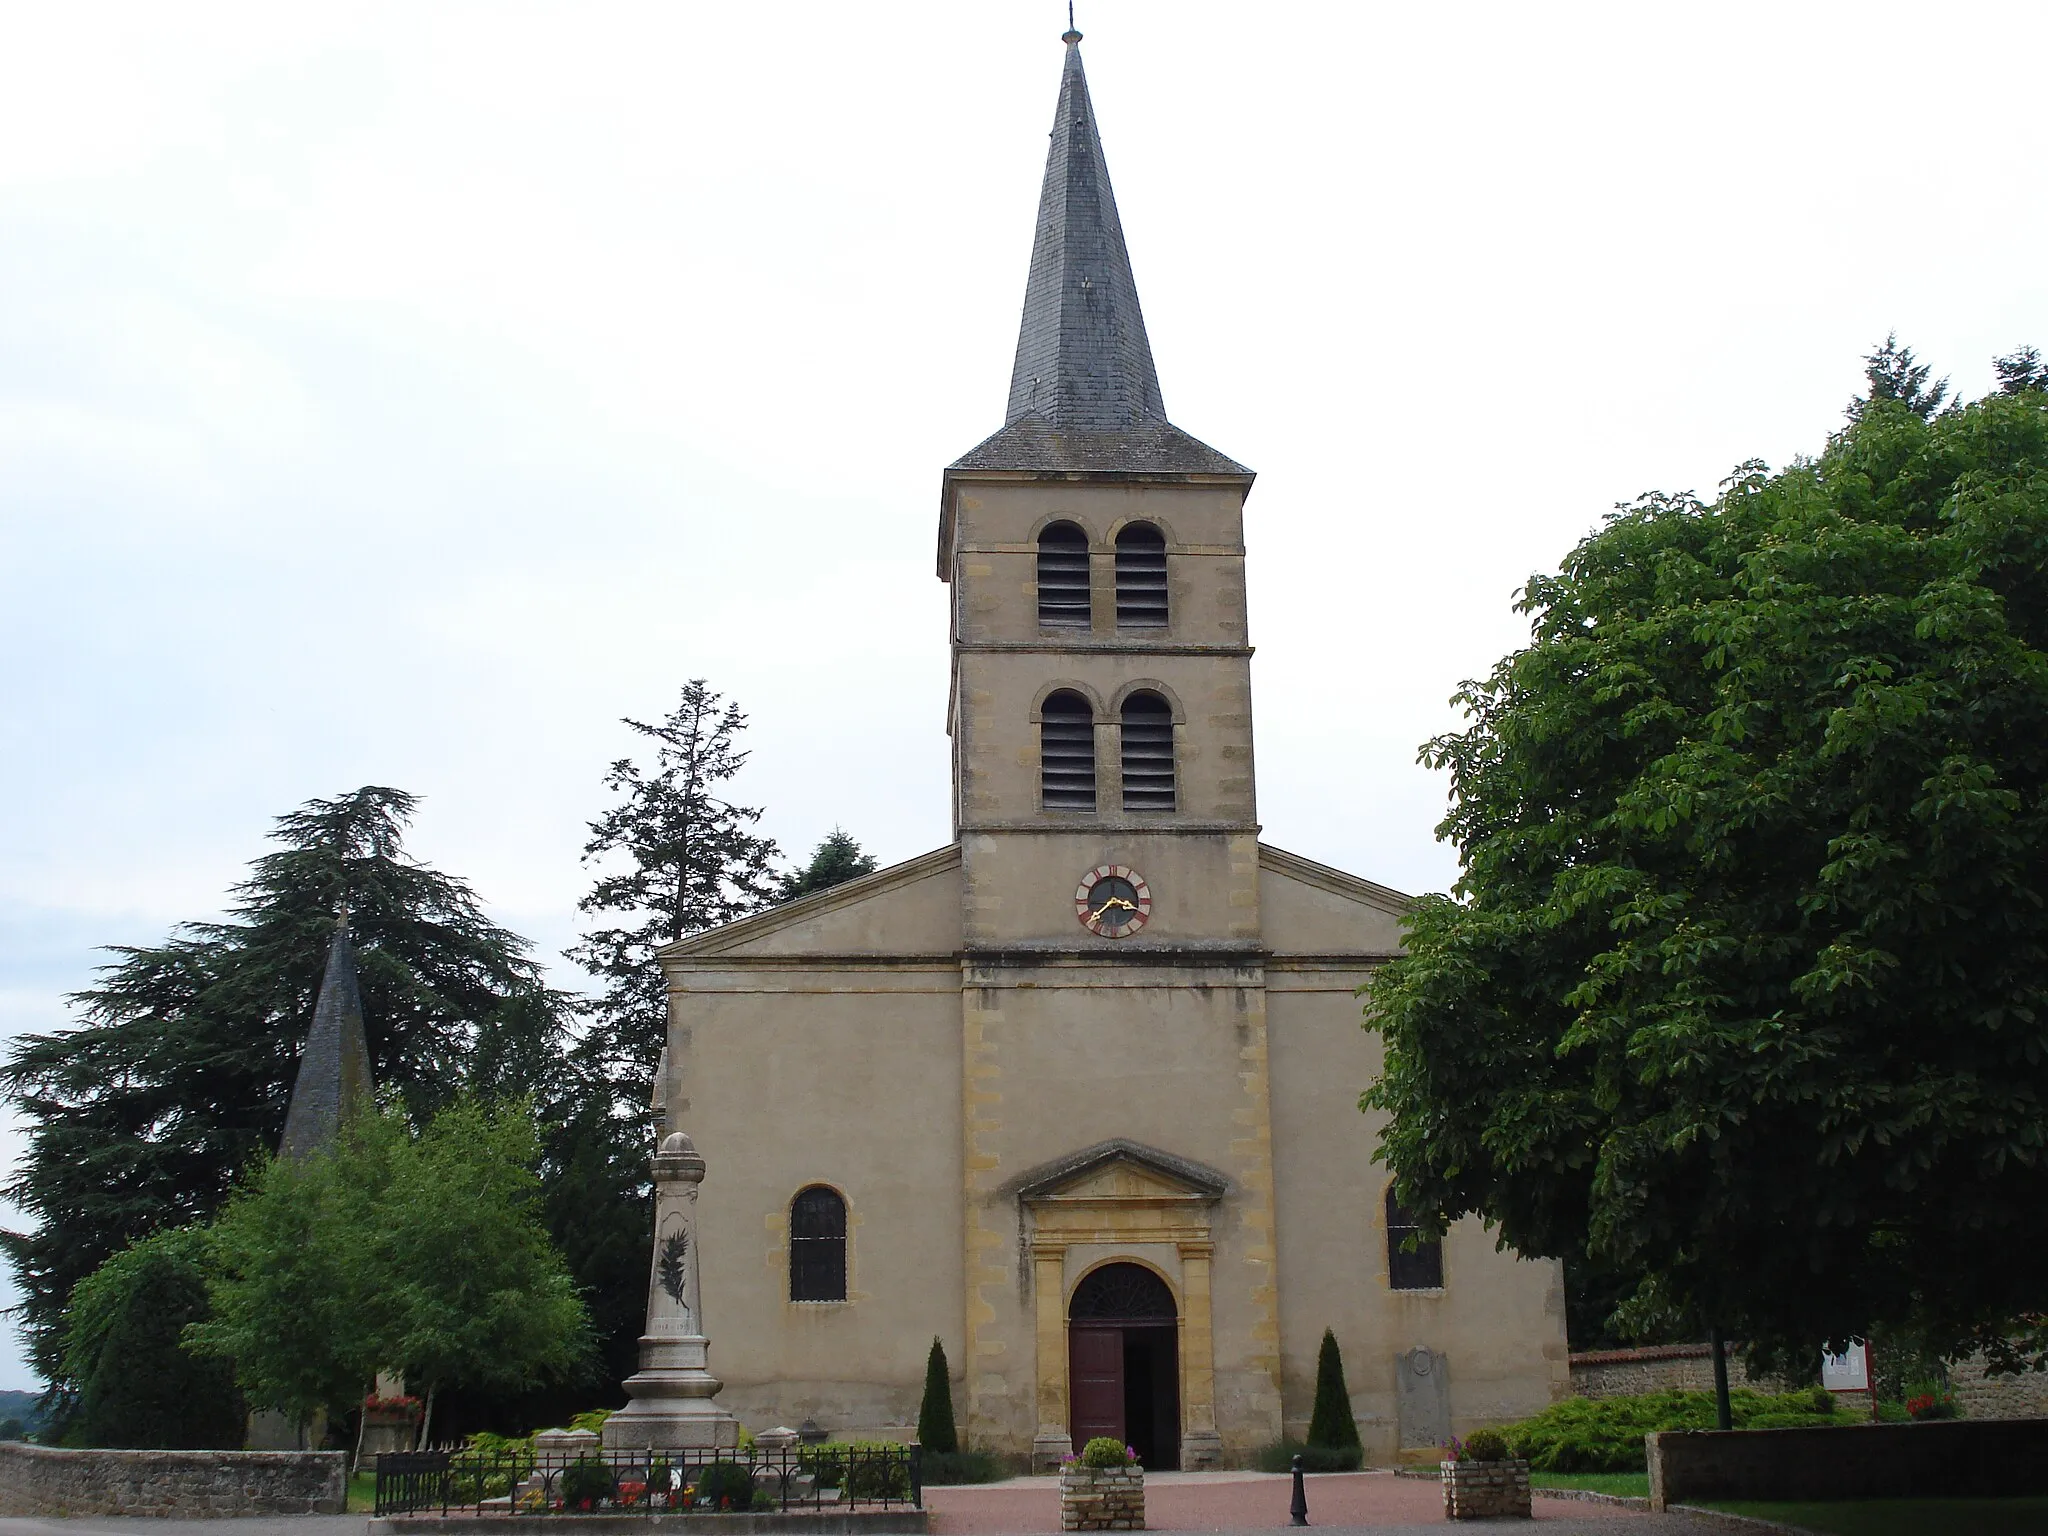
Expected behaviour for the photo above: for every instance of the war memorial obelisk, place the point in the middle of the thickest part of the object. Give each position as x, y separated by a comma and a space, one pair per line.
673, 1392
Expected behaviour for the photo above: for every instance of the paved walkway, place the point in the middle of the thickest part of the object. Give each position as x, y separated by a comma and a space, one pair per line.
1258, 1501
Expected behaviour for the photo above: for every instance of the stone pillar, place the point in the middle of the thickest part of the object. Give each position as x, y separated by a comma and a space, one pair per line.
1200, 1445
1049, 1288
672, 1405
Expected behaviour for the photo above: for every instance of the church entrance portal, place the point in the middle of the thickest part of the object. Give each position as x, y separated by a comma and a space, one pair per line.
1123, 1363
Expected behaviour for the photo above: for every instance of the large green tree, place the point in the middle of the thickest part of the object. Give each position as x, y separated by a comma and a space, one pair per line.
1744, 986
137, 1385
422, 1251
177, 1074
676, 857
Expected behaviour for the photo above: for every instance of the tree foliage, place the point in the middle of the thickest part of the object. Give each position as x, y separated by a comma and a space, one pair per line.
835, 861
135, 1383
422, 1252
1331, 1424
1744, 987
179, 1070
681, 859
1891, 372
936, 1430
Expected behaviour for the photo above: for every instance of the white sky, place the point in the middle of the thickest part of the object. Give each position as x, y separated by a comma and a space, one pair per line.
402, 393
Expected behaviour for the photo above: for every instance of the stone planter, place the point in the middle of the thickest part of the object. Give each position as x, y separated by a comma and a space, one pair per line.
1104, 1498
1477, 1490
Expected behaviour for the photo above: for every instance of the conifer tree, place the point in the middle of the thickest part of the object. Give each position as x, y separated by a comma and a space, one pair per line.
178, 1072
1330, 1425
1893, 373
836, 860
689, 863
2021, 370
935, 1430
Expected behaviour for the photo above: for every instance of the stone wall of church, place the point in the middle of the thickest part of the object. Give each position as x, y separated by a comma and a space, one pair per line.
845, 1076
1495, 1331
1067, 1054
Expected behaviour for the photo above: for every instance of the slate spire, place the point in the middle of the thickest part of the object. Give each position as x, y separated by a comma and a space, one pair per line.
334, 1069
1083, 360
1084, 395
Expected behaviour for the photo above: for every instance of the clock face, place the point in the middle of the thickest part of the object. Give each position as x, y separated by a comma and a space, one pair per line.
1113, 900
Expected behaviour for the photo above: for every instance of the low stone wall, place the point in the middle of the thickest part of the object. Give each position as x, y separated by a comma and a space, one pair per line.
1659, 1368
1481, 1490
47, 1480
1102, 1498
1998, 1397
1958, 1457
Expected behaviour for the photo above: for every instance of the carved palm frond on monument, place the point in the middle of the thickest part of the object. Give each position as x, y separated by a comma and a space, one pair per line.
669, 1268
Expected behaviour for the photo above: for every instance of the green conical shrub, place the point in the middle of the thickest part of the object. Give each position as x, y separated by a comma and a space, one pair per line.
935, 1430
1331, 1424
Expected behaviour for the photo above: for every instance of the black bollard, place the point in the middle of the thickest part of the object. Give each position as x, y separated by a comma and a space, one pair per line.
1299, 1509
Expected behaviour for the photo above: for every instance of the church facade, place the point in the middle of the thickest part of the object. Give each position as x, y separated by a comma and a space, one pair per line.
1077, 1093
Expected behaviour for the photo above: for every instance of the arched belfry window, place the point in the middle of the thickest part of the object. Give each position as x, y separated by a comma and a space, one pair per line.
1419, 1270
1148, 753
1066, 752
817, 1245
1063, 577
1140, 578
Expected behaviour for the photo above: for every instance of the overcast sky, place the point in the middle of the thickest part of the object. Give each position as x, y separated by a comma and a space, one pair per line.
401, 394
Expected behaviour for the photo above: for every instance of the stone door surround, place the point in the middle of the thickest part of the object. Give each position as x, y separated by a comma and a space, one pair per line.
1121, 1202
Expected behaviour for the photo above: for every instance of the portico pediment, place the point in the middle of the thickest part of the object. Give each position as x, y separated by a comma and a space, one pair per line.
1119, 1174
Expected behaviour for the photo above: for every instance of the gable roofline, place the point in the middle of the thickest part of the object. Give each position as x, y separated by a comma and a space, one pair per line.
1335, 881
713, 941
1046, 1178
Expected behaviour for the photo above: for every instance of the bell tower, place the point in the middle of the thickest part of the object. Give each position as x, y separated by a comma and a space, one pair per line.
1100, 710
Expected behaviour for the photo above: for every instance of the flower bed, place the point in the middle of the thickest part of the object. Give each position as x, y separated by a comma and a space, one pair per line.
1102, 1489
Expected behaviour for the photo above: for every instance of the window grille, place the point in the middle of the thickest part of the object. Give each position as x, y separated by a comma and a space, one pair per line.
1063, 601
1066, 748
1420, 1270
1140, 578
1148, 753
817, 1245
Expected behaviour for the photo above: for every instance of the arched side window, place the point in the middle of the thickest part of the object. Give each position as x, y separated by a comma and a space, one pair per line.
817, 1245
1148, 753
1141, 578
1063, 577
1066, 752
1420, 1270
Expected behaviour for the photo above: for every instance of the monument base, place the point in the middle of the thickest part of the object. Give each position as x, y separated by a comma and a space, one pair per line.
672, 1407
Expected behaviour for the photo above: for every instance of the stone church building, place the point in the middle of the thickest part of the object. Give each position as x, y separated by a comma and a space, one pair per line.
1077, 1092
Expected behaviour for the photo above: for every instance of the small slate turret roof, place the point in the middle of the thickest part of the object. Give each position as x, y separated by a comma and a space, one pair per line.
1084, 395
334, 1069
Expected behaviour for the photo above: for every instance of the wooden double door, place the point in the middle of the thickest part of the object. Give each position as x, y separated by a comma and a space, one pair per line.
1123, 1371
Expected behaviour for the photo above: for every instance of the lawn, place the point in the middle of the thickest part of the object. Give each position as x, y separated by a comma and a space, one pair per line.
362, 1493
1907, 1517
1633, 1485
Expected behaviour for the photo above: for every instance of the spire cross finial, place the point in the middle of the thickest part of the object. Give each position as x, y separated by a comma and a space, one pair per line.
1070, 35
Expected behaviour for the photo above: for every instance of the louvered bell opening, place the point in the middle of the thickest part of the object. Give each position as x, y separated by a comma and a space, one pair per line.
1140, 578
1063, 578
1148, 753
1066, 748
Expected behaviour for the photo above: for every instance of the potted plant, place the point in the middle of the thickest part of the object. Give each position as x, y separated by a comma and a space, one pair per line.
1482, 1480
1103, 1488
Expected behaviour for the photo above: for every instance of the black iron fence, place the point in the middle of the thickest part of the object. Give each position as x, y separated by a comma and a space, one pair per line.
652, 1482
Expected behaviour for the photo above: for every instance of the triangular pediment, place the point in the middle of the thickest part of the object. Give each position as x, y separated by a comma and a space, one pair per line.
910, 908
1121, 1170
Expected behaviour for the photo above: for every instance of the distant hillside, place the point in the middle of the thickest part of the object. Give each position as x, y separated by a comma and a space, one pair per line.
22, 1406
